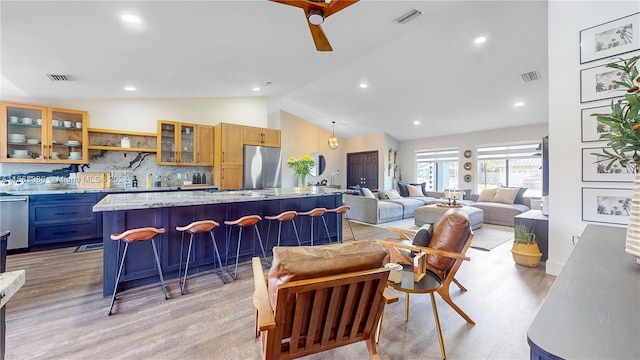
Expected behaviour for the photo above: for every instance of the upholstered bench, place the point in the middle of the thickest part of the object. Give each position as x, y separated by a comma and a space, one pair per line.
432, 213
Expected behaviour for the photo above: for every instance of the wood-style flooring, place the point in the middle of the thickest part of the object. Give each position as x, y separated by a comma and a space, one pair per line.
60, 313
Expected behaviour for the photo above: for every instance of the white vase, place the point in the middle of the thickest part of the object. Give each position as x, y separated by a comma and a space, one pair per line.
632, 245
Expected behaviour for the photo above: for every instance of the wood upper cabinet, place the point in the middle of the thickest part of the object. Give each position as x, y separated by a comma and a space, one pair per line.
227, 156
38, 134
261, 136
204, 145
176, 143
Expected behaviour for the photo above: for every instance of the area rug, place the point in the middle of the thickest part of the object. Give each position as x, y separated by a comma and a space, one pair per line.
486, 238
88, 247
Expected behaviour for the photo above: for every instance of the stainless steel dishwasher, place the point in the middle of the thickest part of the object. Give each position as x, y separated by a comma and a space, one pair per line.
14, 217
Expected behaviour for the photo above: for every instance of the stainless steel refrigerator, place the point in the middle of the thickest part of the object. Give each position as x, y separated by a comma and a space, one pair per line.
262, 167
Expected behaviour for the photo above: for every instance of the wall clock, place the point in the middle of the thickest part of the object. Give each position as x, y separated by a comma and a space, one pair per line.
467, 153
467, 178
467, 166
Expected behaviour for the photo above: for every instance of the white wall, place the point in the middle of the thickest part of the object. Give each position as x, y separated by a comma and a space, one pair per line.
142, 114
301, 138
468, 141
566, 19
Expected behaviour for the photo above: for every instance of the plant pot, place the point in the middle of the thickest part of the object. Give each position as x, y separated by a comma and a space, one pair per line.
526, 254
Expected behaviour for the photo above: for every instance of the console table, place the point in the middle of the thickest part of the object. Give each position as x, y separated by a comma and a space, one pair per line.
593, 308
539, 224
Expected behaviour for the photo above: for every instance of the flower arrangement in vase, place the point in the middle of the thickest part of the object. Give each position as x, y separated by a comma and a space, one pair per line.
302, 167
624, 140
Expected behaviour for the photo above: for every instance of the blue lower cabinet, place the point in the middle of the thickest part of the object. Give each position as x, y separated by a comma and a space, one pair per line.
62, 220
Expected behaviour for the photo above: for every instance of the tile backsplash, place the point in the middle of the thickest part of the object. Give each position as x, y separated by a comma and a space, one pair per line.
121, 165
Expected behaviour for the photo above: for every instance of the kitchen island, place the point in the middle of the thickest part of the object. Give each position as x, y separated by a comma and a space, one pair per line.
121, 212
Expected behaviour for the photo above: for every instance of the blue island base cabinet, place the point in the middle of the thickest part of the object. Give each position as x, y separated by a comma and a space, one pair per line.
139, 268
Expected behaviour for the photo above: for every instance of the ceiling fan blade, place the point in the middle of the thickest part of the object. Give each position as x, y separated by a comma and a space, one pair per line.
337, 5
319, 38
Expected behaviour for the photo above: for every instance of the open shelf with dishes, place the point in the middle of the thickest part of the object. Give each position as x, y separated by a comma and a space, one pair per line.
111, 140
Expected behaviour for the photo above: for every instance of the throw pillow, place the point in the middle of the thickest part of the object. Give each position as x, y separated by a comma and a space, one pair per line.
519, 198
506, 195
422, 188
402, 189
393, 195
487, 195
368, 193
423, 236
415, 190
358, 188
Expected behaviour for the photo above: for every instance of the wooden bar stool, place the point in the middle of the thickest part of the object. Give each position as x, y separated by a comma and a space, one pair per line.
196, 227
134, 235
314, 213
283, 216
249, 220
339, 211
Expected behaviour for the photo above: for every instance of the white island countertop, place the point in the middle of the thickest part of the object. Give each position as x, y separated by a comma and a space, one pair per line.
115, 202
10, 283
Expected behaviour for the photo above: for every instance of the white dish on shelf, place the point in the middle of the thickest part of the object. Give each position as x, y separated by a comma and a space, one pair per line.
33, 141
73, 143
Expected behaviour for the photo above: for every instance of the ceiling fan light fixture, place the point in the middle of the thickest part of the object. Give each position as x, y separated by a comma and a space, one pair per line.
315, 16
333, 140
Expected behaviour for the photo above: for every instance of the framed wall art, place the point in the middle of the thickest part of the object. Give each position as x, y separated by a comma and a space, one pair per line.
598, 83
610, 39
591, 128
592, 170
606, 205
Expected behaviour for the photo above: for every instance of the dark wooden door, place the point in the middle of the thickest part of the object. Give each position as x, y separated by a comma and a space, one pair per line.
362, 169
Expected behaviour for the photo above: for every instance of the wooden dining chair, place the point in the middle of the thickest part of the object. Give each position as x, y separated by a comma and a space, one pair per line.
446, 251
320, 298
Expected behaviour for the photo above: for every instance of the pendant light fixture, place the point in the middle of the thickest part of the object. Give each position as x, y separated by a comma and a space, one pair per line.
333, 140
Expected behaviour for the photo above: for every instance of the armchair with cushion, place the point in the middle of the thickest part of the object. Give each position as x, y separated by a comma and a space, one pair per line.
445, 247
319, 298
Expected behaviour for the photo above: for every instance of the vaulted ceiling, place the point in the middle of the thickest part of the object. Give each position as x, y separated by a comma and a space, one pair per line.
427, 70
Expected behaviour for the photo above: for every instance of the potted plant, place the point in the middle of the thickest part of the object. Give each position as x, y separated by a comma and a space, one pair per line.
525, 249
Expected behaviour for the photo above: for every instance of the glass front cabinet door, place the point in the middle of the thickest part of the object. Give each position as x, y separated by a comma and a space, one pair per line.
43, 135
176, 143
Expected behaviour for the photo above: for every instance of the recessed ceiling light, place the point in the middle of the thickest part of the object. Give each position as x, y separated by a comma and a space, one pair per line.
480, 39
416, 122
130, 88
364, 85
256, 89
130, 18
518, 104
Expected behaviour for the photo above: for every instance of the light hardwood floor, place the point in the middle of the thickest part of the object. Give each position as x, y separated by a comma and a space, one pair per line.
60, 313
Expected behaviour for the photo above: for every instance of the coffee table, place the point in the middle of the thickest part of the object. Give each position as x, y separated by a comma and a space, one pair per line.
432, 213
427, 285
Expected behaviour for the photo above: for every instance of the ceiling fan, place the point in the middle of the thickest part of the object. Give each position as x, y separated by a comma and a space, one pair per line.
316, 11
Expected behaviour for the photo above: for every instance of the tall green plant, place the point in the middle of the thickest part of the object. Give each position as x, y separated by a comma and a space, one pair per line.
624, 121
523, 235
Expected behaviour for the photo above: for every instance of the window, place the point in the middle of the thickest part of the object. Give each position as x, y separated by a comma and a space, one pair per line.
437, 168
518, 165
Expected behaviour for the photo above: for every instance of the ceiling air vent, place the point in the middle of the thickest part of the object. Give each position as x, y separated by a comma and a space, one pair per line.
530, 76
54, 77
403, 19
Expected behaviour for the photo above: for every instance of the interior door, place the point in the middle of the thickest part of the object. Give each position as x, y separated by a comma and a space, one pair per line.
362, 169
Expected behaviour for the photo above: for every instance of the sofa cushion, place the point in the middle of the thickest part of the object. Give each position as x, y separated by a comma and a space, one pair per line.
402, 189
520, 197
505, 195
415, 191
423, 188
291, 263
487, 195
358, 188
368, 193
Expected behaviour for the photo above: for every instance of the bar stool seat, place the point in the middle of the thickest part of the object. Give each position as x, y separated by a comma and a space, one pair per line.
283, 216
135, 235
314, 213
339, 211
248, 220
196, 227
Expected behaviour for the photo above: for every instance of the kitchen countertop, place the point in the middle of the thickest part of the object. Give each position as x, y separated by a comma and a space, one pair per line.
114, 202
109, 190
10, 283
